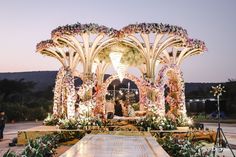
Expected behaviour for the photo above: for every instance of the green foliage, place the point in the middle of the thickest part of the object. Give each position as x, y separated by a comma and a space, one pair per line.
51, 120
41, 147
20, 102
19, 112
10, 153
135, 106
182, 121
90, 121
70, 135
200, 117
182, 147
68, 123
155, 122
15, 90
45, 146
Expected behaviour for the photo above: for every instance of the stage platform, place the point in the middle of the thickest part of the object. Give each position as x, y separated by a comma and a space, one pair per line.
106, 145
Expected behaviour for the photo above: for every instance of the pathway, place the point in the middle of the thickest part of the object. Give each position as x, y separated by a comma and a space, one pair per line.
102, 145
10, 132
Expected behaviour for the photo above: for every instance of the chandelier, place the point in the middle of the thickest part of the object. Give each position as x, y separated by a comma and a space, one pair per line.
115, 59
121, 70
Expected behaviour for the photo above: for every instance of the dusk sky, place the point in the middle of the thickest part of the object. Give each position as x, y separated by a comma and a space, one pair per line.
25, 23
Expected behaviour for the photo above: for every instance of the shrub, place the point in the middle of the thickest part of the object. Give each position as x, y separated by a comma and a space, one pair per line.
68, 123
41, 147
156, 122
51, 120
10, 153
182, 147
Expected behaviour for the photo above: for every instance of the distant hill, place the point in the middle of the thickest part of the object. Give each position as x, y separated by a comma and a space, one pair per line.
44, 79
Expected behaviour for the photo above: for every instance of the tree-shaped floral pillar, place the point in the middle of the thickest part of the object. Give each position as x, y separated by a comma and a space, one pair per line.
64, 91
171, 74
151, 39
87, 40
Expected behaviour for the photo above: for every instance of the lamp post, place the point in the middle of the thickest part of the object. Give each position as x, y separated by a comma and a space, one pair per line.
217, 91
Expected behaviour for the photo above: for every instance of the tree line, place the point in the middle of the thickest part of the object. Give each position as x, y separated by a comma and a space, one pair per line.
21, 101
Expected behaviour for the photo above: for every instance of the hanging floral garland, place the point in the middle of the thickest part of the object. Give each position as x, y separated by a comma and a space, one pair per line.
58, 92
70, 93
177, 97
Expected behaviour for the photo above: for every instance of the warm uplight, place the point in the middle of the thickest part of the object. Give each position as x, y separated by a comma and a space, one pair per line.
190, 121
115, 59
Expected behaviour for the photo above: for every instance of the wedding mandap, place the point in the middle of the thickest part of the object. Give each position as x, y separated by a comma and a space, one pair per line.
156, 50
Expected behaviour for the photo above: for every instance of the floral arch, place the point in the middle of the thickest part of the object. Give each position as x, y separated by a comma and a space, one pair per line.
175, 82
131, 77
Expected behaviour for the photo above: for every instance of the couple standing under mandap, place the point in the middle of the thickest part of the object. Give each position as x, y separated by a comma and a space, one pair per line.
118, 108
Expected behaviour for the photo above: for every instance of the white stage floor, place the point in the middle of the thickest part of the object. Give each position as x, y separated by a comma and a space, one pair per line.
103, 145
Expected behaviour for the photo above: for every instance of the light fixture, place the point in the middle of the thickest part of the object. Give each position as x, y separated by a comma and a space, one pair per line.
121, 70
115, 58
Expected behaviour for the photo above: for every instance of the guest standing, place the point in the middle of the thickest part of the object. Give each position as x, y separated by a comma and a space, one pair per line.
109, 109
2, 123
118, 109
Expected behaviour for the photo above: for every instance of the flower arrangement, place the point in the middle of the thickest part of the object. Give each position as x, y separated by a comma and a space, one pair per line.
85, 88
182, 147
155, 122
86, 107
84, 123
70, 124
51, 120
183, 121
45, 146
